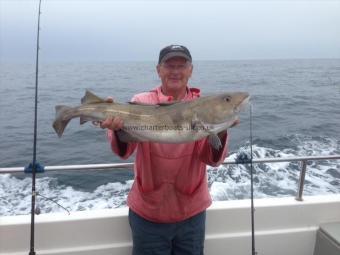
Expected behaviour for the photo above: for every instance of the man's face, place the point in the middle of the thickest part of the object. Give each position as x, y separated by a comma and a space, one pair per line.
175, 73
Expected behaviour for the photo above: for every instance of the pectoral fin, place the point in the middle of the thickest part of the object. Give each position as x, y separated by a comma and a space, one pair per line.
197, 124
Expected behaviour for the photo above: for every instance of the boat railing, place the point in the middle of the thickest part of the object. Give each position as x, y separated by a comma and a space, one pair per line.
302, 160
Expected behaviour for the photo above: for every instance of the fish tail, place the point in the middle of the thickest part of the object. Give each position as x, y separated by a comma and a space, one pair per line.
62, 118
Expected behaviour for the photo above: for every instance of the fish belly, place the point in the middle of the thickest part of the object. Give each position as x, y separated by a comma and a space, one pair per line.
179, 135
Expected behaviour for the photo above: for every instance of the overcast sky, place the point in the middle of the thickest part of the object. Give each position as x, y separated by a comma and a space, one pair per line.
104, 30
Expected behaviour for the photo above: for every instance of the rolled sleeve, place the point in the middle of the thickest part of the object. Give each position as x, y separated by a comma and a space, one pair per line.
210, 155
123, 150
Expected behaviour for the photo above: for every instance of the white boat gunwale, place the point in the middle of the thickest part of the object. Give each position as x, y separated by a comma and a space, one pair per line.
283, 225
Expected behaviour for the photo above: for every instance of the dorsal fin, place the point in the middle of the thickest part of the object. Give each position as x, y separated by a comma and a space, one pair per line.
91, 98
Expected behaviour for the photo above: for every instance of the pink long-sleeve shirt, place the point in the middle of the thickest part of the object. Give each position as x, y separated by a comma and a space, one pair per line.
170, 183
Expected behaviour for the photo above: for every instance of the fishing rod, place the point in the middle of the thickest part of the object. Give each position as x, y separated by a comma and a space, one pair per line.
244, 158
36, 167
253, 251
34, 163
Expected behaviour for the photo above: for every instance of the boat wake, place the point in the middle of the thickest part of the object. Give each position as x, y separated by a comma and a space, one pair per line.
230, 182
227, 182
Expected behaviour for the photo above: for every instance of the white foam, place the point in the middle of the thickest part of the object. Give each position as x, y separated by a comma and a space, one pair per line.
226, 182
278, 179
15, 196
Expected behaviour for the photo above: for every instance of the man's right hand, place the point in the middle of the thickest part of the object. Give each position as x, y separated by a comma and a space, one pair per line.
113, 124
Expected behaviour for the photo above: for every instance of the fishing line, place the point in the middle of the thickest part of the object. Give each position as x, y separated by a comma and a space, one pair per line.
49, 199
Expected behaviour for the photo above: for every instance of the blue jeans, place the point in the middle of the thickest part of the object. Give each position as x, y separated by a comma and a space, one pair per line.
180, 238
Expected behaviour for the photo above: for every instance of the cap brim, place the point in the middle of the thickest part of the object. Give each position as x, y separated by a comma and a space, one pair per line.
175, 54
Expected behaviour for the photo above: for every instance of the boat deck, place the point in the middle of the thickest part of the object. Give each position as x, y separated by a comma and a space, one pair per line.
282, 226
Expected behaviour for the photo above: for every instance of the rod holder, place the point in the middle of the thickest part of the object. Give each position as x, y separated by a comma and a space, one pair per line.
301, 181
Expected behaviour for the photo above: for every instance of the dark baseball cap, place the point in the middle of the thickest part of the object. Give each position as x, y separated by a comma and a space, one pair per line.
174, 51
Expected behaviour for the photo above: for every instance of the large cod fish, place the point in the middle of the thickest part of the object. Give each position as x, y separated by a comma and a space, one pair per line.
177, 122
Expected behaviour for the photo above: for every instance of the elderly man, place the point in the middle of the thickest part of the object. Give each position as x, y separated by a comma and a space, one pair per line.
170, 194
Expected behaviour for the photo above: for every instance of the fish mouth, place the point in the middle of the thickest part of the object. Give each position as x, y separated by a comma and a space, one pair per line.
243, 103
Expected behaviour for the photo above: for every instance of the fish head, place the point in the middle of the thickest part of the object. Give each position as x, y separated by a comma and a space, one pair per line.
224, 107
234, 102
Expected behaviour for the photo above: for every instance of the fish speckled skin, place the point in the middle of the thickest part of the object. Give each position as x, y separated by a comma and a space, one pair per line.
178, 122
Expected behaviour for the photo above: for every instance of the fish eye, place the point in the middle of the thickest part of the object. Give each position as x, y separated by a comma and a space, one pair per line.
227, 99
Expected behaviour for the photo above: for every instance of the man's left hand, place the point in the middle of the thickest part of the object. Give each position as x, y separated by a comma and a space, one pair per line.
236, 122
224, 132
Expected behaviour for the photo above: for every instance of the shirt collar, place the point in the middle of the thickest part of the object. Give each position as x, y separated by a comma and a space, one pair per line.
190, 94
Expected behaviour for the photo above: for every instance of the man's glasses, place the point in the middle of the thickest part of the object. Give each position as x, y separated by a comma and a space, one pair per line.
180, 67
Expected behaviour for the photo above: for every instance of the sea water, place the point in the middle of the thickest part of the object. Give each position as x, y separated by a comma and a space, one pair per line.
295, 107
